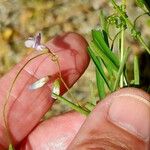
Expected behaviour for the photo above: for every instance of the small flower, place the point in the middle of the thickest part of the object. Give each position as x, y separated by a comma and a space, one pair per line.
39, 83
35, 42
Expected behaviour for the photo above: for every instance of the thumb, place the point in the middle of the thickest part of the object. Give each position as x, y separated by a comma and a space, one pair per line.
120, 122
25, 107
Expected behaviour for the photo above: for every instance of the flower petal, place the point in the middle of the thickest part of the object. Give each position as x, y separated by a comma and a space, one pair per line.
37, 40
29, 43
40, 47
39, 83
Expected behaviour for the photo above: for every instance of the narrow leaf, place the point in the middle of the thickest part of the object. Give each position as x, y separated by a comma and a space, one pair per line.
105, 36
99, 67
109, 69
100, 85
102, 45
103, 56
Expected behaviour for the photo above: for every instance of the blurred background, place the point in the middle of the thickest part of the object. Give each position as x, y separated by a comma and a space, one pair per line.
20, 19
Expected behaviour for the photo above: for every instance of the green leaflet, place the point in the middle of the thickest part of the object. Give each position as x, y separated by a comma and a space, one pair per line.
100, 85
99, 41
101, 54
99, 67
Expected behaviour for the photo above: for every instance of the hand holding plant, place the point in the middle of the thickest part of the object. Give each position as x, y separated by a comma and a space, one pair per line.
121, 121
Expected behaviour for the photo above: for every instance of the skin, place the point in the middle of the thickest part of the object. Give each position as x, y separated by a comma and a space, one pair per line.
121, 121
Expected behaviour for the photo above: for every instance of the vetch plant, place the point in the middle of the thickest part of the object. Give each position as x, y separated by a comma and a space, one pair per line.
111, 71
101, 49
109, 55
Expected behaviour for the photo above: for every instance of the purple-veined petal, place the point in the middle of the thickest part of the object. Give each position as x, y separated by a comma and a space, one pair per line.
37, 40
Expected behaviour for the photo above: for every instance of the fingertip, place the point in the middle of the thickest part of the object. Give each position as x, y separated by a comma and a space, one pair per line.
73, 43
55, 133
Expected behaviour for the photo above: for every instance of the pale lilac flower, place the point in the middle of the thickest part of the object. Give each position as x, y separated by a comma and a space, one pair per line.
35, 42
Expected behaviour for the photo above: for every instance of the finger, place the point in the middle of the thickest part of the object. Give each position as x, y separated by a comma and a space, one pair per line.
54, 134
120, 122
25, 107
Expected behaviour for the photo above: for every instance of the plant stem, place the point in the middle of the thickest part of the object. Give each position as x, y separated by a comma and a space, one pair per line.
122, 54
136, 71
72, 105
121, 68
90, 106
129, 23
122, 44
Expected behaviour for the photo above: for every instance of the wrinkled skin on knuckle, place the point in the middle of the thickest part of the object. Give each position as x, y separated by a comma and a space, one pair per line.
102, 142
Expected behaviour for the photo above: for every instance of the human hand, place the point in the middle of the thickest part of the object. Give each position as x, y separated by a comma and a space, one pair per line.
130, 108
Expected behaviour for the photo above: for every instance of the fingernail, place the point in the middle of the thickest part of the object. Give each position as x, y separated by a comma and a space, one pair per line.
131, 113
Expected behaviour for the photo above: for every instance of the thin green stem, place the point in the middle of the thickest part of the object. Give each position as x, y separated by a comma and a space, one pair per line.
136, 71
72, 105
122, 44
122, 55
146, 13
130, 24
126, 54
113, 41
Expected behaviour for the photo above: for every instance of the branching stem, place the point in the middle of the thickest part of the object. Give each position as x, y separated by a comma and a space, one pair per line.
130, 24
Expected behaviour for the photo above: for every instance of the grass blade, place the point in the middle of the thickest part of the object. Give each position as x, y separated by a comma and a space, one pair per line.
99, 67
136, 71
99, 40
103, 56
100, 85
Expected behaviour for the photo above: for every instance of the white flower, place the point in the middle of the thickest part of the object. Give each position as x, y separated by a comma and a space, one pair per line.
35, 42
39, 83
